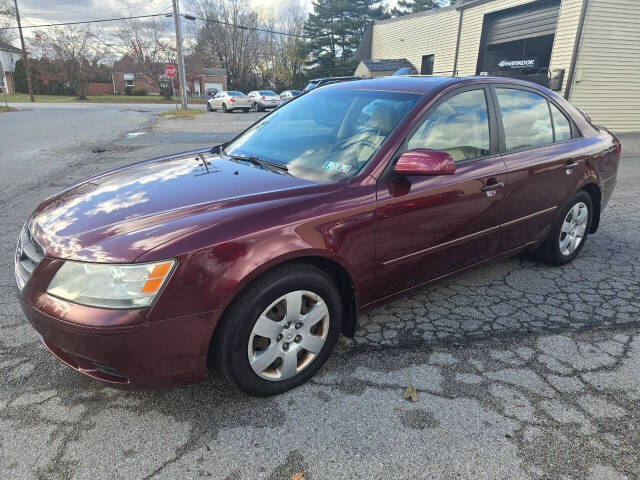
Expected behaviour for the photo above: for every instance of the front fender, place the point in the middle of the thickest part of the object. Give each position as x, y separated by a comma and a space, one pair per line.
208, 279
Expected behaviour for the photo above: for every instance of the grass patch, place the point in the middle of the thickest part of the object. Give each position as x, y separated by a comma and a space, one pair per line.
181, 113
23, 97
4, 109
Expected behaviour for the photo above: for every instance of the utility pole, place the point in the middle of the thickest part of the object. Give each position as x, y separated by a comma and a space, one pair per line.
24, 51
181, 72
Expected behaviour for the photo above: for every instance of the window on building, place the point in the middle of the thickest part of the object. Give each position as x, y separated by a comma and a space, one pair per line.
427, 65
128, 79
526, 118
562, 127
459, 126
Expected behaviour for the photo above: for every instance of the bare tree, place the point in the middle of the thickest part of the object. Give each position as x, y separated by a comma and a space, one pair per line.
149, 44
228, 36
74, 52
286, 54
7, 19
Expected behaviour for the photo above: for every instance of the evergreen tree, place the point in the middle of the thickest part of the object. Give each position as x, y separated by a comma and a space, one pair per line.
20, 78
413, 6
335, 29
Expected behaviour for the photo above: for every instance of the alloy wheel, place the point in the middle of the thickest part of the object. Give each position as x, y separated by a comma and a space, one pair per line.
288, 335
573, 228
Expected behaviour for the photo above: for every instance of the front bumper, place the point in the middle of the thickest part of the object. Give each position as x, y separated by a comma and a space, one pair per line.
123, 348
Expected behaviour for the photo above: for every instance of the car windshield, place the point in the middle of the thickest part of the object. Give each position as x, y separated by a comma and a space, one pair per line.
235, 94
325, 135
266, 92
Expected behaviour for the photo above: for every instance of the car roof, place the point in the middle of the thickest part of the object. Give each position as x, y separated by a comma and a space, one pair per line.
420, 84
323, 79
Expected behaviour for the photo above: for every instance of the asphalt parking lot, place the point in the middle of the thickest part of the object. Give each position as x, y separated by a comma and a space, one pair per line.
522, 371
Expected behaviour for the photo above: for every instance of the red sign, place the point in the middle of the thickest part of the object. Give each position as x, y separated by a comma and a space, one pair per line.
170, 71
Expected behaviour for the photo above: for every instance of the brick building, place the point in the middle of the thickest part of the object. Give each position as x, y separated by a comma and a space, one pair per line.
147, 76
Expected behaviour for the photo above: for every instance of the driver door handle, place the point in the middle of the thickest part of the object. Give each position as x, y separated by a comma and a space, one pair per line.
490, 187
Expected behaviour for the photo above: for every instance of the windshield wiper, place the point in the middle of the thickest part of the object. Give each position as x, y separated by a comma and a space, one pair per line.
259, 163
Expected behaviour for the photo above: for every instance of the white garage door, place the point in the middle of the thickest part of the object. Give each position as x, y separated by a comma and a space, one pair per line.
212, 85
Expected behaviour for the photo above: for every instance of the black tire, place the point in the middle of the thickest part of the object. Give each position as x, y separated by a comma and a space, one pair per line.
260, 109
209, 109
245, 110
224, 108
231, 339
549, 252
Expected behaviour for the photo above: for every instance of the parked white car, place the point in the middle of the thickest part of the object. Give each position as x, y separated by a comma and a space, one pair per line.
264, 99
228, 101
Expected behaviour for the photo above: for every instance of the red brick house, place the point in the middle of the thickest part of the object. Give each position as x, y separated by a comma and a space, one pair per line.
147, 76
138, 76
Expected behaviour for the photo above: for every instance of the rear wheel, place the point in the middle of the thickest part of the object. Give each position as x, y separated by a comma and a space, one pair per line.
245, 110
279, 331
570, 232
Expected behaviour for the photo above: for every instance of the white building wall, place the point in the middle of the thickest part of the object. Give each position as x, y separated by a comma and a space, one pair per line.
607, 77
564, 41
413, 36
9, 60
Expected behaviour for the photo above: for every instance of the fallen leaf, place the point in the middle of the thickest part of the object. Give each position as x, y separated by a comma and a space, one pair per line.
520, 405
298, 476
397, 409
410, 393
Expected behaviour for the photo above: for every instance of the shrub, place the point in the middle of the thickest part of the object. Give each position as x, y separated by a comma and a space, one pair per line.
142, 92
128, 90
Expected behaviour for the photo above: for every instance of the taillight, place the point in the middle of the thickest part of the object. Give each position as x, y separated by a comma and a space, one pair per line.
262, 98
232, 99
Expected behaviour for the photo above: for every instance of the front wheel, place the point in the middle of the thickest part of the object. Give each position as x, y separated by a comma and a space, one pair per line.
209, 109
279, 331
569, 234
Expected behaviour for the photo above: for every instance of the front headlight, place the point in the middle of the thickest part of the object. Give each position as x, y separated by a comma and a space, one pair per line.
109, 285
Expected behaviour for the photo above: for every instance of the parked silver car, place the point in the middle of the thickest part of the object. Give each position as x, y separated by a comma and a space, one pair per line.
289, 95
228, 101
264, 99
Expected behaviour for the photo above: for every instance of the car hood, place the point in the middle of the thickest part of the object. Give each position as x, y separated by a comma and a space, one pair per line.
119, 215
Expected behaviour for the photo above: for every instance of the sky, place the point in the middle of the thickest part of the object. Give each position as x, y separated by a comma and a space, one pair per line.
37, 12
48, 11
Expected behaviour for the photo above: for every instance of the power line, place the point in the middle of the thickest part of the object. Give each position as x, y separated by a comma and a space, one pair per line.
206, 20
257, 29
85, 21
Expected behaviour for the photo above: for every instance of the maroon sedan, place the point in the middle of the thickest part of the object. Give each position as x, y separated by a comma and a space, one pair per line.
255, 255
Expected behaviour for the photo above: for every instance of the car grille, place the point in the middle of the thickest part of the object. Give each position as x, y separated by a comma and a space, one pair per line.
29, 253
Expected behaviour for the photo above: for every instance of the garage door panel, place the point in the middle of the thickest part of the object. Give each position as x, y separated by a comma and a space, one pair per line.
524, 24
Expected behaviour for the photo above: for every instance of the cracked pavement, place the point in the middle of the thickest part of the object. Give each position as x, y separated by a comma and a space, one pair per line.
522, 371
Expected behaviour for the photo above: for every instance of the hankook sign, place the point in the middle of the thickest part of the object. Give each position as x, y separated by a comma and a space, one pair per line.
517, 64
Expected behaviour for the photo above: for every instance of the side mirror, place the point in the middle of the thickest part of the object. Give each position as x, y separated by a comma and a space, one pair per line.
425, 162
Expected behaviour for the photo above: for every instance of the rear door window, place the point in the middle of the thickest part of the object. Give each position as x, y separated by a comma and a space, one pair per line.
526, 119
458, 126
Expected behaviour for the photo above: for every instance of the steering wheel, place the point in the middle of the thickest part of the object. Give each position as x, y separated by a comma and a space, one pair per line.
362, 141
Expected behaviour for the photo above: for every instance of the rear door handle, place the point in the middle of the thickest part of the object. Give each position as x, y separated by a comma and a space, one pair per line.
490, 187
571, 164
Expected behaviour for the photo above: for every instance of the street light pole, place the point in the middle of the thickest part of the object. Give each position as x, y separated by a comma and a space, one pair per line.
181, 72
24, 52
